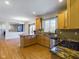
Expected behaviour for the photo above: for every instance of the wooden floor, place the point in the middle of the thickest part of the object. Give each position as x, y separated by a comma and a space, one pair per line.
10, 50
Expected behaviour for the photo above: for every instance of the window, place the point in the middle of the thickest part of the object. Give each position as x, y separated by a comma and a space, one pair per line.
49, 25
31, 29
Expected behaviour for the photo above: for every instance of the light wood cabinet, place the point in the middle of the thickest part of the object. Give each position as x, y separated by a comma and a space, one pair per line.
38, 23
30, 40
27, 40
43, 40
62, 20
73, 13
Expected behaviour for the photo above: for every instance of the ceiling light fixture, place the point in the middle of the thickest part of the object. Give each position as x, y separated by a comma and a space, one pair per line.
21, 18
60, 1
34, 12
7, 2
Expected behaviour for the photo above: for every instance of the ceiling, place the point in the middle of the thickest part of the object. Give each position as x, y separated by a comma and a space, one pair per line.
26, 8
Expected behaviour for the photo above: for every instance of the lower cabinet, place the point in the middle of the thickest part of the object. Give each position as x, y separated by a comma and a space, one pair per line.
39, 39
27, 41
43, 40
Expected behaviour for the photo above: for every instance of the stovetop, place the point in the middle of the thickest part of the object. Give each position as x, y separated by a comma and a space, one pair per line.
70, 44
65, 53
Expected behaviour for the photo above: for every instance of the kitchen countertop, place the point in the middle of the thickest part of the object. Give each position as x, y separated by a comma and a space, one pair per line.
65, 53
26, 35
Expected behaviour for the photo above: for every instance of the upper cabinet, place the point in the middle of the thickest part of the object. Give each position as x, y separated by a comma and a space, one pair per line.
69, 19
73, 13
62, 20
38, 23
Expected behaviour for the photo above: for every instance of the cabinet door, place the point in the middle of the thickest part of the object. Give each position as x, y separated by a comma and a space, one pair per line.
38, 39
61, 21
38, 23
73, 13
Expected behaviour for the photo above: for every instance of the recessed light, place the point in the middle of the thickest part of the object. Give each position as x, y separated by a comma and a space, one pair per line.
7, 2
60, 0
34, 12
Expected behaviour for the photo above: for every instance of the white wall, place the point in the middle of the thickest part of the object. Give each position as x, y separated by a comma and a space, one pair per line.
13, 35
26, 28
9, 35
3, 27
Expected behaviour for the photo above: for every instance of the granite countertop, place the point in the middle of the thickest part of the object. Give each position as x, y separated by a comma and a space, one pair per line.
26, 35
65, 53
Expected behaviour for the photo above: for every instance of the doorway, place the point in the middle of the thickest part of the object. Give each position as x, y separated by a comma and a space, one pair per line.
31, 29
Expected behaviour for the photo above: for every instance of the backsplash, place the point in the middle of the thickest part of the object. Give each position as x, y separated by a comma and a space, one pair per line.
68, 34
69, 38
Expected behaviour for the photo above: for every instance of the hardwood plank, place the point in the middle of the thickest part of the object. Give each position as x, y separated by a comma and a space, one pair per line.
9, 49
